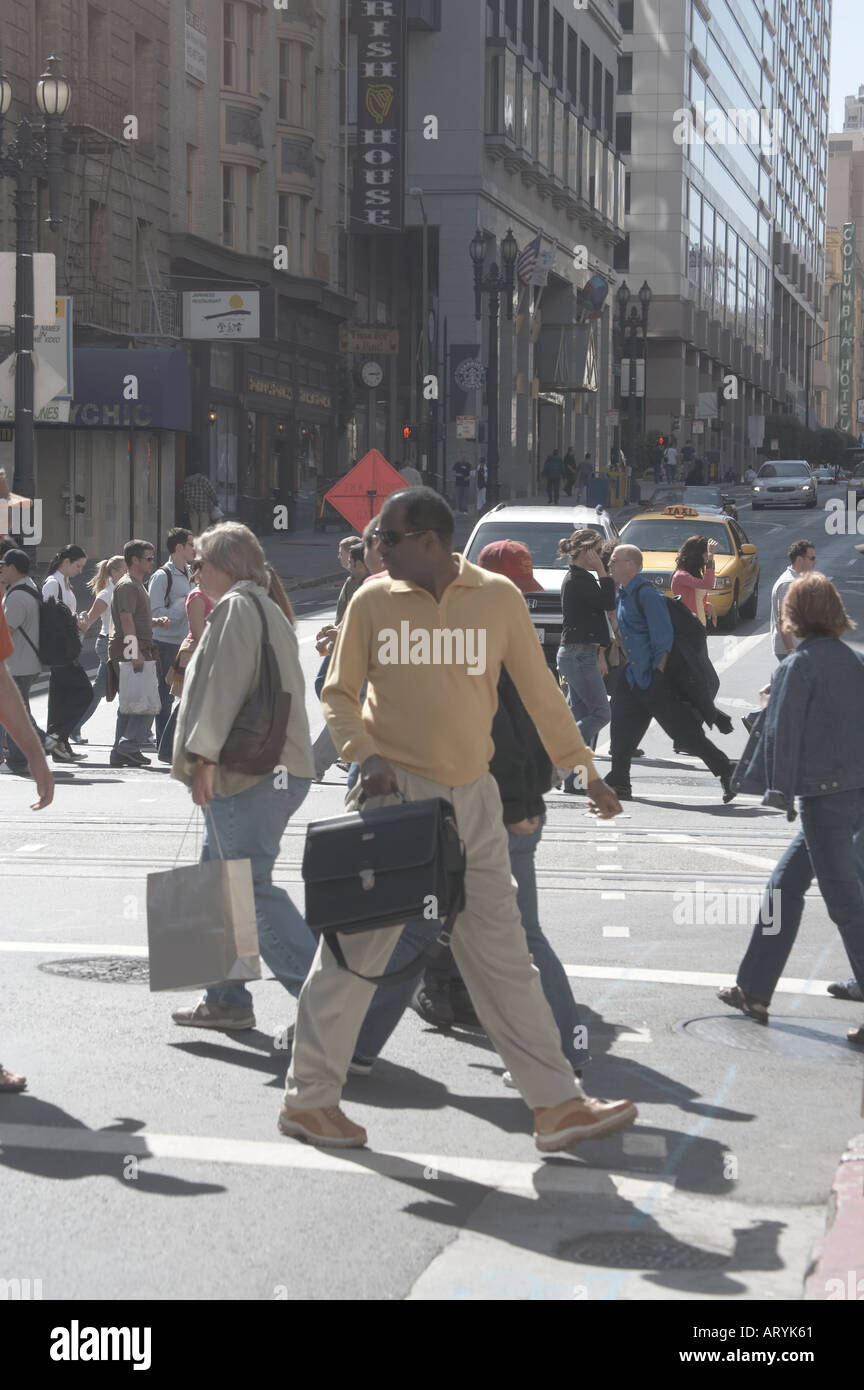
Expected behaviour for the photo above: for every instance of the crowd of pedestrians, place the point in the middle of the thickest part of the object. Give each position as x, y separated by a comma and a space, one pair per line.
209, 620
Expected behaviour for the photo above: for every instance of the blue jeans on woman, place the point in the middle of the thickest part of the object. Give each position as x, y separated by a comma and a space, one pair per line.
780, 917
250, 825
586, 693
99, 683
390, 1001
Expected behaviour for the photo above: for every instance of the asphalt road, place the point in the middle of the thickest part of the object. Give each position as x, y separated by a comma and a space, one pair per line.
144, 1163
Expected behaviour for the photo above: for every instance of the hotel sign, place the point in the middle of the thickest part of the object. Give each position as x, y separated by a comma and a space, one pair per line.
379, 159
845, 366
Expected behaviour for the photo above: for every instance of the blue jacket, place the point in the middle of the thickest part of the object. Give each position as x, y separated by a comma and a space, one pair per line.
554, 466
808, 742
645, 637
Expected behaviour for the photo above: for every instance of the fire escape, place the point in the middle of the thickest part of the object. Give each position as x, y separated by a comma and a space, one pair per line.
104, 178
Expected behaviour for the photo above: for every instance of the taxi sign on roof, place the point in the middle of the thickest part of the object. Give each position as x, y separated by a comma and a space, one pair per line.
680, 511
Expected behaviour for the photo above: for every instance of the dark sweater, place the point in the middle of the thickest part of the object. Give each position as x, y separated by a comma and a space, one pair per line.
585, 602
520, 764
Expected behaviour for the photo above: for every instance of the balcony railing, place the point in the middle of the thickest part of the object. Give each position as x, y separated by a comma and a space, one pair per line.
97, 108
140, 313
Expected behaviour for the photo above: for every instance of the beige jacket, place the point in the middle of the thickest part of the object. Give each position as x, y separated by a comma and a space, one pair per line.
222, 674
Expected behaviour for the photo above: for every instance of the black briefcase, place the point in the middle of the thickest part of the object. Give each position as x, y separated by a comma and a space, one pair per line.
381, 868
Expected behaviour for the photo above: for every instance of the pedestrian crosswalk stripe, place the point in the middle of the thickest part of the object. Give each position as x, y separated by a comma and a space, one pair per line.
528, 1177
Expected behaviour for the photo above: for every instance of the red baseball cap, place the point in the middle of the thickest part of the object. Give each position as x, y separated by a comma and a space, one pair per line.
512, 559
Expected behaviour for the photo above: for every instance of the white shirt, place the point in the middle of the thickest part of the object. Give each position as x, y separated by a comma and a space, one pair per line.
56, 586
778, 593
104, 596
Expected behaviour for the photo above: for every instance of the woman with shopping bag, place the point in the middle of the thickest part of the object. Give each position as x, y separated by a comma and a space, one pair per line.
242, 746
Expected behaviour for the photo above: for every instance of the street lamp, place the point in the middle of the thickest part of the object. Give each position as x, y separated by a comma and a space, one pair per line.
645, 297
34, 153
807, 361
631, 333
493, 284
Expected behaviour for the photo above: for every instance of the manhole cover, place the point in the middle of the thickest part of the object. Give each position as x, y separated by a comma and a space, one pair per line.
634, 1250
112, 970
803, 1039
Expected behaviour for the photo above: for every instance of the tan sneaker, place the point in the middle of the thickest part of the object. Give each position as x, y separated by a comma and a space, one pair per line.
203, 1015
583, 1117
328, 1127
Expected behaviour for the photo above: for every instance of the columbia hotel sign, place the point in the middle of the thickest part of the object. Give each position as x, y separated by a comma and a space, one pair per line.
379, 160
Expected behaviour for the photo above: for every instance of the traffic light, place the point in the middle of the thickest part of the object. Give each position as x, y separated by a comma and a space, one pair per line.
407, 432
661, 440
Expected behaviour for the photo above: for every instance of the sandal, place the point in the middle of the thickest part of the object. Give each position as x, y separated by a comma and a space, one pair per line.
737, 999
856, 1035
10, 1082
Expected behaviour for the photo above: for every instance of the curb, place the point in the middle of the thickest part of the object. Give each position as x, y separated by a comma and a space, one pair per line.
313, 583
836, 1268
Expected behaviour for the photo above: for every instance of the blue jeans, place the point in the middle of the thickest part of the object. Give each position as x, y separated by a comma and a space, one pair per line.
829, 825
780, 917
586, 692
390, 1001
132, 731
99, 682
250, 825
167, 656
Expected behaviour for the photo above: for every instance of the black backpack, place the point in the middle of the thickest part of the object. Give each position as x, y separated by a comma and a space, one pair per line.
59, 635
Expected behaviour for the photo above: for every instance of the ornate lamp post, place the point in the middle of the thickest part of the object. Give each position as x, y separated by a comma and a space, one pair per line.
493, 284
631, 334
645, 297
36, 152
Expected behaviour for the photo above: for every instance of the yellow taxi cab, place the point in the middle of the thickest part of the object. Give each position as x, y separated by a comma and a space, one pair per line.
660, 536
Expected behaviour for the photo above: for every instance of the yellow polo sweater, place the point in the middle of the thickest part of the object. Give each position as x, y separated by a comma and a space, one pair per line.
433, 677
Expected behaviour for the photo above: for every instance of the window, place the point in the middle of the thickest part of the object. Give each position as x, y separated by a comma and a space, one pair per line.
284, 81
191, 187
143, 85
543, 35
303, 237
597, 94
572, 65
608, 104
510, 9
97, 44
627, 192
585, 79
623, 133
558, 51
227, 205
625, 15
304, 89
250, 49
251, 208
625, 72
229, 51
285, 223
621, 255
528, 27
491, 19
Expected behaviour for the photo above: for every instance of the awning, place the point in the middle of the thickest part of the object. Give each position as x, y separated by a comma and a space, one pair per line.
131, 388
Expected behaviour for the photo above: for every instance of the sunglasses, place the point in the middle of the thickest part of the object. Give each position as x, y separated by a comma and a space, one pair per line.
391, 538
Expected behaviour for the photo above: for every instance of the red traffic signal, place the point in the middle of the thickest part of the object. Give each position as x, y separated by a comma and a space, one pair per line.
660, 439
407, 431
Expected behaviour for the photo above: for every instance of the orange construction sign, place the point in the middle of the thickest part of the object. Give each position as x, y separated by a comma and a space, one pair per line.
361, 494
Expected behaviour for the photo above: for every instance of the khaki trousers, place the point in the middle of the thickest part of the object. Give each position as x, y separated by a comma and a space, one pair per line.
489, 946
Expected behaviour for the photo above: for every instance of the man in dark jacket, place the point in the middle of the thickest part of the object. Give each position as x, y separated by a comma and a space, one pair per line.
553, 472
521, 767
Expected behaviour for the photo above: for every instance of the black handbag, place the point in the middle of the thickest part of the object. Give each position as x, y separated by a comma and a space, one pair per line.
381, 868
254, 744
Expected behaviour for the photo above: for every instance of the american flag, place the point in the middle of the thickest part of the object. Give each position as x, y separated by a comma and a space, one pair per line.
527, 260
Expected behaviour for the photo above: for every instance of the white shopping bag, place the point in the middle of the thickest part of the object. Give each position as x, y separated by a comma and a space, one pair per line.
139, 690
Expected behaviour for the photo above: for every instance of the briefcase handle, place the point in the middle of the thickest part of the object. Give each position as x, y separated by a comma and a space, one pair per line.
363, 797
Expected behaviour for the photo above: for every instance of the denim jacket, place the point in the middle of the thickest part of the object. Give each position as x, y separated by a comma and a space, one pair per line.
808, 742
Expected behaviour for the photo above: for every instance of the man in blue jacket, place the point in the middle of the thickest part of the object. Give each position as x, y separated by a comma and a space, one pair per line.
644, 693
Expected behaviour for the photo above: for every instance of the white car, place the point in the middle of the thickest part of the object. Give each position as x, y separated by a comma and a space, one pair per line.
784, 483
824, 474
540, 529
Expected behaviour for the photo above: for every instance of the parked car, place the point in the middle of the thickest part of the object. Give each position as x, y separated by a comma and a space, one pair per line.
661, 535
784, 483
705, 498
824, 474
540, 529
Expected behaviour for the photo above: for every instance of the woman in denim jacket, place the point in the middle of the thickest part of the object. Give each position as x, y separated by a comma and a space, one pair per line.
808, 744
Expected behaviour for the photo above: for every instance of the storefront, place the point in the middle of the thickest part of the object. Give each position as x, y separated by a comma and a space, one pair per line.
109, 474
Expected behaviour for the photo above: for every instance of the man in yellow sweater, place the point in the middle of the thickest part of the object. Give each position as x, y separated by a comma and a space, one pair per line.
430, 639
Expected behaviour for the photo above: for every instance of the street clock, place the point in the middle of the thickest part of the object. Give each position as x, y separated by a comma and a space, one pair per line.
372, 374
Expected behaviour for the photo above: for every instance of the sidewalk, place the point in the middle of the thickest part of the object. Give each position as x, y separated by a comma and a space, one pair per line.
837, 1263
